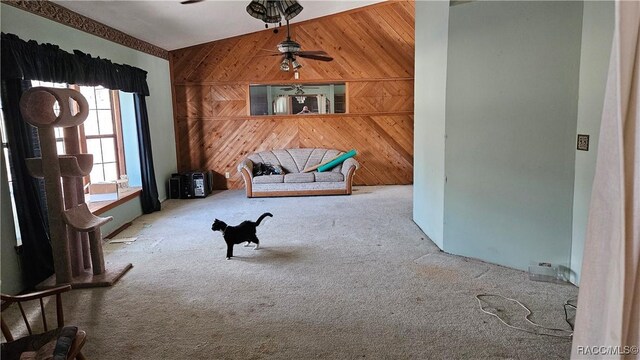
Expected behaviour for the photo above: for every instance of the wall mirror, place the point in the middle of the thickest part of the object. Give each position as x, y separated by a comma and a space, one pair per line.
291, 99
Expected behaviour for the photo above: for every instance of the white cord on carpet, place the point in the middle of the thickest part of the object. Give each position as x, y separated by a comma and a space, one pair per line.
569, 336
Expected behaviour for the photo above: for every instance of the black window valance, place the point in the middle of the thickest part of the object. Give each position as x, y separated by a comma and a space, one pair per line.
29, 60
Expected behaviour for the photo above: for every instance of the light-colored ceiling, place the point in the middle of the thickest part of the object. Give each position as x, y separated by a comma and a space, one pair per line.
171, 25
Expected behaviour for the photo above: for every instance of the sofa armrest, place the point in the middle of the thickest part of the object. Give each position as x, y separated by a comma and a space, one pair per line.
347, 165
246, 164
245, 168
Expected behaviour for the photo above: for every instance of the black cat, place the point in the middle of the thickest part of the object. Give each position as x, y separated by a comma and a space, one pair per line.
246, 231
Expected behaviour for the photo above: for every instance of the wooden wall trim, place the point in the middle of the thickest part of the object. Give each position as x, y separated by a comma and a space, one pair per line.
62, 15
288, 81
291, 117
347, 102
232, 100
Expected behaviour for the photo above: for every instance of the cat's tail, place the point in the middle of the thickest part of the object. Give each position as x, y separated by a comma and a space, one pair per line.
262, 217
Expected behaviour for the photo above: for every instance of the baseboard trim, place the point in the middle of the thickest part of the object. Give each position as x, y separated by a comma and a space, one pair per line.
299, 193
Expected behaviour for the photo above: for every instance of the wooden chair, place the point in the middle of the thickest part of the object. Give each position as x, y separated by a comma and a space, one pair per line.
63, 342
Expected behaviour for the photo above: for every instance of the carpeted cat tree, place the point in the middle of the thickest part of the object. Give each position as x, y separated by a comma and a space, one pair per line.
74, 231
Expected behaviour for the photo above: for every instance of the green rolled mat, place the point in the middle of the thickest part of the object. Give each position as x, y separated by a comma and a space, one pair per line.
338, 161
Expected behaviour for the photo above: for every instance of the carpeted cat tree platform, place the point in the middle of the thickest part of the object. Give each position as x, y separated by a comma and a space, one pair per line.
74, 231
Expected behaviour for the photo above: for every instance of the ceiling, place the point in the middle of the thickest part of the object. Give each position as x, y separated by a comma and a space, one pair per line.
170, 25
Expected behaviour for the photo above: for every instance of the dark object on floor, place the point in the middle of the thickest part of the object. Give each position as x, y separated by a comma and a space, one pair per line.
64, 342
246, 231
192, 184
260, 169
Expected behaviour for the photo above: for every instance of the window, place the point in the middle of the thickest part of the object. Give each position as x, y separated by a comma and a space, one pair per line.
100, 134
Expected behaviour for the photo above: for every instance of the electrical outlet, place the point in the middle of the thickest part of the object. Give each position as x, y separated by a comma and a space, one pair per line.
226, 175
583, 142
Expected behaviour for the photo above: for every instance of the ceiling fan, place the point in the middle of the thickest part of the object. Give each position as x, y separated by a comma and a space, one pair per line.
298, 88
290, 50
272, 11
298, 93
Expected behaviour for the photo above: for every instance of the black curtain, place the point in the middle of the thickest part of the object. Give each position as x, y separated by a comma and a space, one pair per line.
36, 255
29, 60
149, 196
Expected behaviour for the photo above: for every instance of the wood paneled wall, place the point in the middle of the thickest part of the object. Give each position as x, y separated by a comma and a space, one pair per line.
373, 51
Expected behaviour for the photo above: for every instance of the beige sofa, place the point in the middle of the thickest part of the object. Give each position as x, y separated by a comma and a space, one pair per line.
294, 182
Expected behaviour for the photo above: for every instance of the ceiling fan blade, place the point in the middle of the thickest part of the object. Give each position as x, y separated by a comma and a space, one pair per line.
263, 55
312, 52
316, 57
185, 2
270, 50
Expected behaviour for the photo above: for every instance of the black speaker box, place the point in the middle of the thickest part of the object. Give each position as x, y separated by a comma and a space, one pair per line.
191, 184
174, 186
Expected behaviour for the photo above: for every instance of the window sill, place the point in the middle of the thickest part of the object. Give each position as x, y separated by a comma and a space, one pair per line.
100, 207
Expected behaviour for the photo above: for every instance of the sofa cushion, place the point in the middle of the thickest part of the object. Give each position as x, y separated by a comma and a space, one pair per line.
299, 178
260, 169
286, 161
276, 157
268, 179
295, 160
315, 158
268, 157
301, 156
329, 176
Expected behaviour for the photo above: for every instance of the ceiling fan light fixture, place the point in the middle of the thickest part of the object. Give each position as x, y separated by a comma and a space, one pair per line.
296, 65
257, 9
272, 11
284, 66
272, 15
290, 8
288, 46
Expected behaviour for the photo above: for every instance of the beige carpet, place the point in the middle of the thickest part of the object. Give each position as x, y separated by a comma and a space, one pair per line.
345, 277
